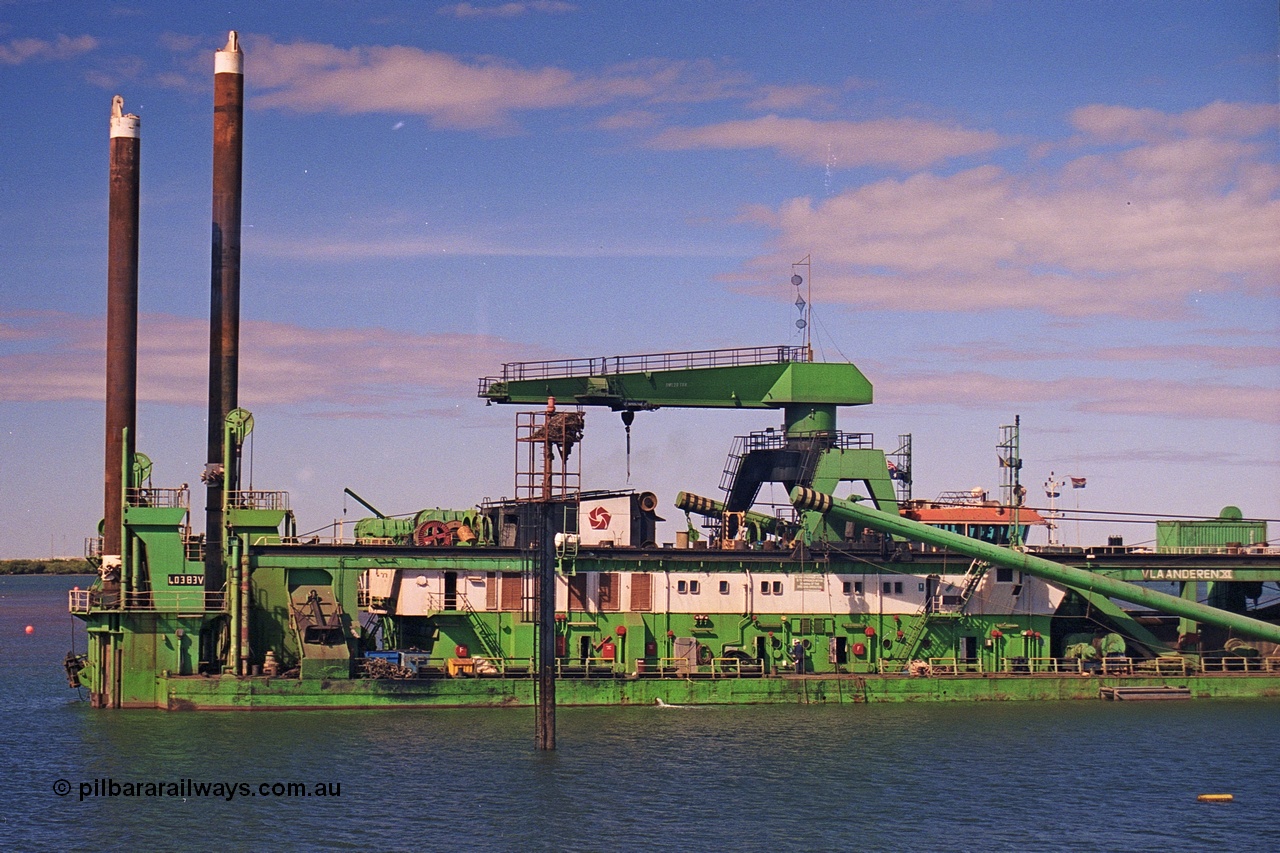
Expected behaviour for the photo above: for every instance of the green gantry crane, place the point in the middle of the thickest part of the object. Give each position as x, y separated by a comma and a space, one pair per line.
810, 450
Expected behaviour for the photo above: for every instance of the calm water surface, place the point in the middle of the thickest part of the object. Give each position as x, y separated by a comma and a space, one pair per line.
1048, 776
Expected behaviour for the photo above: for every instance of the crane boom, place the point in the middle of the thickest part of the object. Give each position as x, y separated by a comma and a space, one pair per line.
752, 378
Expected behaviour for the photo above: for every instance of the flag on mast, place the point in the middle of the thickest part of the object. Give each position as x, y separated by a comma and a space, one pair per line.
1078, 482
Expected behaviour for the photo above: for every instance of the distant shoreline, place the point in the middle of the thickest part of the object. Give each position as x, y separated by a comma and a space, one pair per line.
46, 567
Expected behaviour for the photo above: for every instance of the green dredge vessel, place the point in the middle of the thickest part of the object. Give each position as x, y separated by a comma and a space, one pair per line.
837, 601
857, 592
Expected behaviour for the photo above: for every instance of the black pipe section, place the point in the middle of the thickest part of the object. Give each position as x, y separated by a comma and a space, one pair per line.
122, 327
545, 590
224, 303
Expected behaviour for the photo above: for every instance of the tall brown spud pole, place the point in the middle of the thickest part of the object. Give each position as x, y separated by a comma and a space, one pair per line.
122, 329
224, 306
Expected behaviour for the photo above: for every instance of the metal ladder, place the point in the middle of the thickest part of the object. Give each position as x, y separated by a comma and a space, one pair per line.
911, 641
972, 577
736, 451
488, 639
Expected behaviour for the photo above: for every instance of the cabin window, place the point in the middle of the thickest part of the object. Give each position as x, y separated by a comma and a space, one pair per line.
682, 587
888, 587
1004, 575
857, 587
610, 591
897, 587
764, 587
512, 592
641, 592
724, 587
777, 587
578, 592
848, 587
694, 587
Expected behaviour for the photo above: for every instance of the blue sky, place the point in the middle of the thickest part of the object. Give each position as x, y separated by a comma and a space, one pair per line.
1066, 211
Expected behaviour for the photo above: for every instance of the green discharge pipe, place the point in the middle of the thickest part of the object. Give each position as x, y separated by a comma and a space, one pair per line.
808, 499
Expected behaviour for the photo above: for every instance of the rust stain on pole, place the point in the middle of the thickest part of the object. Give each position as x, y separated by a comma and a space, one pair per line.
122, 323
224, 311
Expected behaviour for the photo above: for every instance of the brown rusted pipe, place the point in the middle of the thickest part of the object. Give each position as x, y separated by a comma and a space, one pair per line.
122, 325
224, 311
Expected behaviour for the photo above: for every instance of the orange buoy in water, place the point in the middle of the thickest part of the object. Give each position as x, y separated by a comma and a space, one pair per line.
1216, 798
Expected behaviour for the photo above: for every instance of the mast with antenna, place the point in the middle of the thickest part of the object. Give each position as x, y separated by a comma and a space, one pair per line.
804, 307
1053, 491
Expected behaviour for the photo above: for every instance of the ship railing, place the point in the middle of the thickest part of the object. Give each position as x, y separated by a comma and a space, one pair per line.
1237, 664
586, 667
1115, 665
510, 667
683, 667
736, 668
330, 534
195, 600
955, 666
1190, 550
1016, 665
92, 547
179, 498
485, 666
258, 499
520, 370
771, 439
1175, 665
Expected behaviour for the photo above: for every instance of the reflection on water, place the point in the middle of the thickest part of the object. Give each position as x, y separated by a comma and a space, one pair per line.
1046, 776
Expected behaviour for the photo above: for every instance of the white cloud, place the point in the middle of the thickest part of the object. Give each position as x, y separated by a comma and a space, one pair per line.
902, 142
479, 93
1124, 232
22, 50
54, 356
507, 10
1098, 395
381, 373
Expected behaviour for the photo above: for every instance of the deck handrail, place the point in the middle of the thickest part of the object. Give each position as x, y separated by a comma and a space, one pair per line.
516, 371
85, 601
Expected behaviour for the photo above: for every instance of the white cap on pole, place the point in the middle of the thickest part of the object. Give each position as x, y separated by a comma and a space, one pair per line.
122, 124
229, 60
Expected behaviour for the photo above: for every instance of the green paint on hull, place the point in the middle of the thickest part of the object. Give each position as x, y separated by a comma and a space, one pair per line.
265, 694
